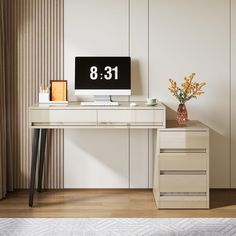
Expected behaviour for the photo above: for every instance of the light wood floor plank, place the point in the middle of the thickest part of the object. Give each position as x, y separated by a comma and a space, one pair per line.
107, 203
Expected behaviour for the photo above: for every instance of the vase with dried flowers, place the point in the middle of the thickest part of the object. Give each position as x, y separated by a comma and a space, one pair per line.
188, 89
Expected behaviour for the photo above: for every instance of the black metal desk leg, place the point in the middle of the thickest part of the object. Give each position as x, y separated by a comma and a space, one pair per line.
35, 145
42, 157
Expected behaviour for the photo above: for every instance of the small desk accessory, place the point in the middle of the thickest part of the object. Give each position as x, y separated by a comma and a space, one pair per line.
44, 94
151, 101
59, 90
133, 104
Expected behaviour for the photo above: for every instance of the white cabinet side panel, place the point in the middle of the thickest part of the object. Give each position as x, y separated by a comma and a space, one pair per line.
152, 153
139, 158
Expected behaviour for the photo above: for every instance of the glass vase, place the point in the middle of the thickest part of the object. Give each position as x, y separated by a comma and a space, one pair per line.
182, 114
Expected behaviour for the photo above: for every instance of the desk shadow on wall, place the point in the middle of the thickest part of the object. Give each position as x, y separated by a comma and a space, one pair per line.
170, 113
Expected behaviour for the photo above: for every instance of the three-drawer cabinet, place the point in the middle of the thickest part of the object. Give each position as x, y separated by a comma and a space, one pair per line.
181, 175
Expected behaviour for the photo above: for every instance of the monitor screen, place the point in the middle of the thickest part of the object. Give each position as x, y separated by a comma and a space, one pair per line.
102, 76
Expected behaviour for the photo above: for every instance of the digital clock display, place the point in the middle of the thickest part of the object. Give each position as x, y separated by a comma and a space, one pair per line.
102, 73
107, 74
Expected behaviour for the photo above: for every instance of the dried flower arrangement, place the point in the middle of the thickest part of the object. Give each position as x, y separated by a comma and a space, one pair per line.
189, 89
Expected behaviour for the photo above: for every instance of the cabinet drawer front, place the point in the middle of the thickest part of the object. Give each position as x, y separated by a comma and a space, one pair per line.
149, 116
116, 116
183, 139
183, 183
63, 116
183, 161
191, 204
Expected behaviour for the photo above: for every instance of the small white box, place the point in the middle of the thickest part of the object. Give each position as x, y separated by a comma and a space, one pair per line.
44, 97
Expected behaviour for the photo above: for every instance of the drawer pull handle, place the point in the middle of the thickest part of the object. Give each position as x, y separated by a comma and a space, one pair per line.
183, 194
180, 172
182, 150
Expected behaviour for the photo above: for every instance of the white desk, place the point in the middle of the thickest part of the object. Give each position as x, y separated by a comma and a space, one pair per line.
43, 117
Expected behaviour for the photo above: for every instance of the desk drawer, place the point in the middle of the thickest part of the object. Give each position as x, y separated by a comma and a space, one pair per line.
183, 161
131, 116
63, 116
115, 116
149, 116
183, 183
183, 139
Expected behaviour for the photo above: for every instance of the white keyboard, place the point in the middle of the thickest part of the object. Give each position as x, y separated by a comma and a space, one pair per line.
100, 103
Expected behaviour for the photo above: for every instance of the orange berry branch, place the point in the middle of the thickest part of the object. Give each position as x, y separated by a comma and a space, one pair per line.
187, 90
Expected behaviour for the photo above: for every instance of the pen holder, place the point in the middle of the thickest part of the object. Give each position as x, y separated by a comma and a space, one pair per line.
44, 97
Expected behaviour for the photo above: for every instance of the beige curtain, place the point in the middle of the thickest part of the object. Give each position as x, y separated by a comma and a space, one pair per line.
6, 177
2, 105
31, 54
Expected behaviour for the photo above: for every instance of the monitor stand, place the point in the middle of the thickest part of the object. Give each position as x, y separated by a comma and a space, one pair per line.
100, 100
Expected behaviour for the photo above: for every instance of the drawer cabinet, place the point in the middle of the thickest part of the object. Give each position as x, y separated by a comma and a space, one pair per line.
181, 178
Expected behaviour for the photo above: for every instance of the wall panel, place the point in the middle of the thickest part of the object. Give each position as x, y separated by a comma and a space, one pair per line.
35, 56
96, 158
193, 36
95, 28
139, 49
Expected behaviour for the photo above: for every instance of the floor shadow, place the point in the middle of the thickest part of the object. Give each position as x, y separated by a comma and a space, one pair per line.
222, 198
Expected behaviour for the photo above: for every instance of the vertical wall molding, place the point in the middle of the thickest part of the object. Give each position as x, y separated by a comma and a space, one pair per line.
233, 91
230, 101
35, 52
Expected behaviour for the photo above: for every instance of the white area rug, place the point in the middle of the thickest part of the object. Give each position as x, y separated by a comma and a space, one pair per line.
118, 226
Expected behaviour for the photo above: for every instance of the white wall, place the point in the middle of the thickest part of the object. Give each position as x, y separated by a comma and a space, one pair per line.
166, 39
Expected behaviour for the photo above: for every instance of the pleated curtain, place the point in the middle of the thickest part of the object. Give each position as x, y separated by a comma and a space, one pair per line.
31, 54
6, 175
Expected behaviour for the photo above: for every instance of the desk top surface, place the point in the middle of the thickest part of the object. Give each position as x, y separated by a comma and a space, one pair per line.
191, 125
76, 105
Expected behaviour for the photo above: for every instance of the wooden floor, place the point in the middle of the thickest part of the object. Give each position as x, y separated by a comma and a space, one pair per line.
108, 203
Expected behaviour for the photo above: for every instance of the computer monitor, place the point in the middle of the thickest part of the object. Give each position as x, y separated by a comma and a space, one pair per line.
102, 76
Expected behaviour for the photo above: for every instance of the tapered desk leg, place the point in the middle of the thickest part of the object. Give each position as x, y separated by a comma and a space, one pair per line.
42, 157
35, 145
